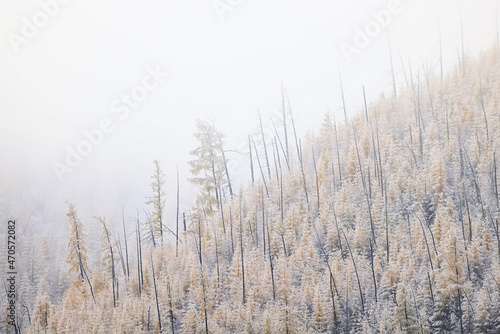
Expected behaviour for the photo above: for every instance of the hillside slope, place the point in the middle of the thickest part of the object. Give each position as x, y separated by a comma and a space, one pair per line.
388, 223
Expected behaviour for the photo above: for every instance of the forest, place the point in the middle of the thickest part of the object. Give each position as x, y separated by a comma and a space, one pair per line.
386, 221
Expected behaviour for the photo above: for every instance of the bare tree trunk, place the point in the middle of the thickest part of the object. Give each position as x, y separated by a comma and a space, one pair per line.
447, 124
282, 214
426, 243
199, 250
463, 45
325, 258
125, 241
356, 271
218, 196
392, 66
375, 156
299, 155
430, 287
338, 151
251, 161
177, 219
80, 261
401, 59
386, 224
263, 221
381, 173
342, 95
275, 160
242, 257
284, 121
461, 219
260, 167
222, 216
338, 230
495, 178
428, 223
440, 42
122, 260
364, 187
217, 256
265, 147
156, 292
171, 308
113, 277
139, 258
474, 178
225, 166
303, 175
366, 107
281, 146
428, 88
373, 272
484, 110
231, 227
271, 262
317, 181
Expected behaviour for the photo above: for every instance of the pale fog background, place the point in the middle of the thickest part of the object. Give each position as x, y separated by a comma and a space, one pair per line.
65, 79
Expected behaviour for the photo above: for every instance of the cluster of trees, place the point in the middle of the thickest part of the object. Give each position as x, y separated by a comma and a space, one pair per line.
387, 222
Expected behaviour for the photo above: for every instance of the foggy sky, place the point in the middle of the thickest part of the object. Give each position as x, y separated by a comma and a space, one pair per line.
67, 77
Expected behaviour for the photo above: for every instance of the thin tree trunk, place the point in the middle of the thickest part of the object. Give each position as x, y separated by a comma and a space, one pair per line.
222, 217
342, 95
231, 227
303, 176
177, 219
430, 287
338, 230
275, 160
373, 272
171, 308
356, 271
440, 42
317, 181
113, 277
299, 155
269, 248
139, 268
251, 161
392, 66
338, 151
281, 146
364, 187
428, 88
284, 121
126, 243
325, 258
156, 292
426, 243
386, 224
242, 257
265, 147
225, 166
484, 111
260, 167
263, 221
366, 107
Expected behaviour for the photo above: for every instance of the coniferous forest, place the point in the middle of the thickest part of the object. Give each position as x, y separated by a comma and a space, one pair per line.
382, 222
